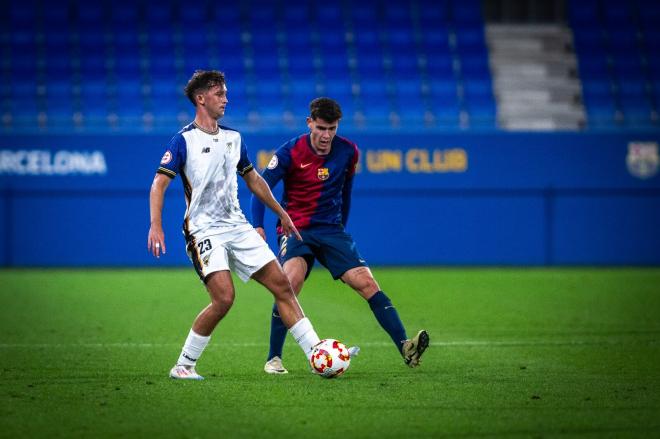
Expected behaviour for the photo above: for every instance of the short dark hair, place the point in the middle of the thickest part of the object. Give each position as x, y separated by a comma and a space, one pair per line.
201, 81
326, 109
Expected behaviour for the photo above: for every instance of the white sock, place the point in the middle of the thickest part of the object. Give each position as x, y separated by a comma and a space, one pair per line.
193, 348
304, 334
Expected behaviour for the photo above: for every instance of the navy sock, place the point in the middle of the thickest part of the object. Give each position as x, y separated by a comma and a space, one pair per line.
277, 334
388, 318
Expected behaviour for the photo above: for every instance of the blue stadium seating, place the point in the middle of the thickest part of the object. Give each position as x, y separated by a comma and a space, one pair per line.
106, 67
616, 46
421, 63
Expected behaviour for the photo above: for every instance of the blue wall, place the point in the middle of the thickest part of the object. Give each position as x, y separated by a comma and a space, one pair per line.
483, 199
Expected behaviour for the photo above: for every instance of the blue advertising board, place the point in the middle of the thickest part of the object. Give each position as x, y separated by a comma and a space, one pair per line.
445, 199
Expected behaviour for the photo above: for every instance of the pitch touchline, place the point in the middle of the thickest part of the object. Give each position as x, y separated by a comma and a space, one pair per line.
463, 343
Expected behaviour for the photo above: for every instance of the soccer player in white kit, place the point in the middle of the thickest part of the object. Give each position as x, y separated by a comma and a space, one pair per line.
218, 236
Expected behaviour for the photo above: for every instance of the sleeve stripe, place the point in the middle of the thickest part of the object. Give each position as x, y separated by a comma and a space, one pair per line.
245, 170
166, 171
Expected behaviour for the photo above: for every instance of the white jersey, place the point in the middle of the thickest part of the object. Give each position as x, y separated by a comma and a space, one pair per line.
208, 163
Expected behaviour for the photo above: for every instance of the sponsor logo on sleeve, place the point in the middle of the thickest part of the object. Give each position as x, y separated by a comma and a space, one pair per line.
273, 162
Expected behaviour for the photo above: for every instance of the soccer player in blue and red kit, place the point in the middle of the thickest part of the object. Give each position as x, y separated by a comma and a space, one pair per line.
318, 169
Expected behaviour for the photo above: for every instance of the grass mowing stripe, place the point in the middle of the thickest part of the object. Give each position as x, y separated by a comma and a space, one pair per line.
465, 343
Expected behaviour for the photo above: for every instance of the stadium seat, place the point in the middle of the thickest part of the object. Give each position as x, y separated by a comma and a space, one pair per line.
335, 66
601, 111
583, 12
401, 41
299, 40
481, 112
94, 66
467, 13
410, 105
623, 40
377, 110
300, 14
371, 66
589, 38
433, 14
397, 16
636, 110
127, 67
405, 66
435, 42
191, 17
475, 67
301, 68
616, 13
595, 66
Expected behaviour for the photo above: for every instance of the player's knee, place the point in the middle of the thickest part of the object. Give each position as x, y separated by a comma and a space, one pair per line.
222, 303
369, 287
281, 287
297, 284
365, 285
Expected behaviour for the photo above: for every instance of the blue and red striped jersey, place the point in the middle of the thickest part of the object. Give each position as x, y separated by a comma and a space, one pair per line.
317, 189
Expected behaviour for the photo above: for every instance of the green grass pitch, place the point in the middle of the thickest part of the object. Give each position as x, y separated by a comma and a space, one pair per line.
514, 353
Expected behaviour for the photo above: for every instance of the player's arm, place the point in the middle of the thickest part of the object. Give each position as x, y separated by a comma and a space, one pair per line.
348, 188
156, 240
262, 192
258, 209
273, 173
346, 199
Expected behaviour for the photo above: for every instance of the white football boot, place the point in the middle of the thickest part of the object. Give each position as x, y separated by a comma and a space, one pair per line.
274, 366
182, 372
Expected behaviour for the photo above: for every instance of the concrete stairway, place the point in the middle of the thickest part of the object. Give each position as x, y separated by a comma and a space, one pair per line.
535, 77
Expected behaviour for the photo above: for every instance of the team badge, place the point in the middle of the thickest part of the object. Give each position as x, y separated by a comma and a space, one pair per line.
323, 173
229, 145
642, 159
272, 164
167, 157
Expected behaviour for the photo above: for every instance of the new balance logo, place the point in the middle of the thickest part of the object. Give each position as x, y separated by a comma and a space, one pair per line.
205, 150
188, 357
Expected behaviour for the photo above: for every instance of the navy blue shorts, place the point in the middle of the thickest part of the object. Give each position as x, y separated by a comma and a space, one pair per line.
330, 245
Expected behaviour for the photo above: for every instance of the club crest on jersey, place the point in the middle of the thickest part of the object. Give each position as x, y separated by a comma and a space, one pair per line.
229, 145
272, 164
167, 157
323, 173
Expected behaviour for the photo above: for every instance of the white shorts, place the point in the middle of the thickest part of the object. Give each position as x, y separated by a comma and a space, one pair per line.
243, 253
